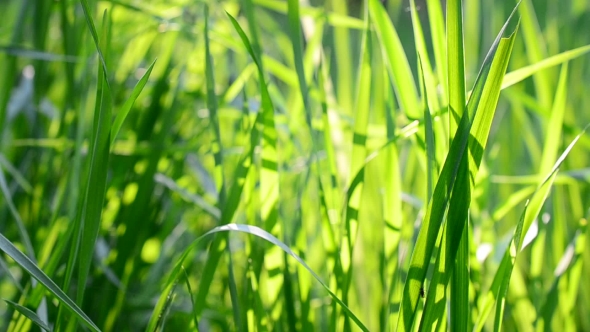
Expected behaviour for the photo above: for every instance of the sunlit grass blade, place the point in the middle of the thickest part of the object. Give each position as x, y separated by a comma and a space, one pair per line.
429, 134
256, 231
453, 185
29, 266
122, 113
438, 36
397, 63
520, 74
336, 19
455, 64
359, 153
558, 303
459, 293
532, 211
535, 50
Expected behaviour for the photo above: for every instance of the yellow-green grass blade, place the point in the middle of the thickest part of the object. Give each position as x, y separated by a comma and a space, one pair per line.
549, 154
345, 83
296, 41
455, 64
212, 105
29, 314
456, 170
532, 211
438, 36
359, 153
535, 50
335, 19
431, 171
575, 274
397, 62
260, 233
268, 172
430, 100
559, 301
32, 268
124, 111
459, 292
428, 77
520, 74
265, 119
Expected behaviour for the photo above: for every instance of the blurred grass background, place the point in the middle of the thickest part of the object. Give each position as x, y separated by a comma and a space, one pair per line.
181, 162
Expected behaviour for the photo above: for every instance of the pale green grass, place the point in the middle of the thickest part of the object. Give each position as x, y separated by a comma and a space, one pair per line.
294, 166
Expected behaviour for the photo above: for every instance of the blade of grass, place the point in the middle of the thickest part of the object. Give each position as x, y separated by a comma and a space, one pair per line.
359, 153
520, 74
124, 111
29, 314
459, 293
32, 268
258, 232
533, 209
480, 108
397, 63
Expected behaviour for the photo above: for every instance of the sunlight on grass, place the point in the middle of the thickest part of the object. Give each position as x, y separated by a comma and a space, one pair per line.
262, 165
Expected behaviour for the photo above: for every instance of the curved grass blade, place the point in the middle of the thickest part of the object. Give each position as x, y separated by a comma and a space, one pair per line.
122, 114
29, 314
533, 209
29, 266
256, 231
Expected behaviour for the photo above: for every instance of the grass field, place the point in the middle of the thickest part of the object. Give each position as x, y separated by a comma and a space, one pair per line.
285, 165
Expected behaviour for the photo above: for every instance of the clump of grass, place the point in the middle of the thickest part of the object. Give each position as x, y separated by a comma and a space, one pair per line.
286, 166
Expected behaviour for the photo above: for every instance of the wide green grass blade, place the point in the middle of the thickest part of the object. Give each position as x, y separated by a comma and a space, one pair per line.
32, 268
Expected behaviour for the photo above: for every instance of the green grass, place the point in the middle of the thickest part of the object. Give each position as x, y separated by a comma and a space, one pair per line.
265, 165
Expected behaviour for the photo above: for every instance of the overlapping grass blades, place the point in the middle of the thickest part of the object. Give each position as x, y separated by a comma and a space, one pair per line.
453, 189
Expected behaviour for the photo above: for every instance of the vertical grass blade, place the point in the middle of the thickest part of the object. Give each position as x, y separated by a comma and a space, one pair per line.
397, 63
478, 115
